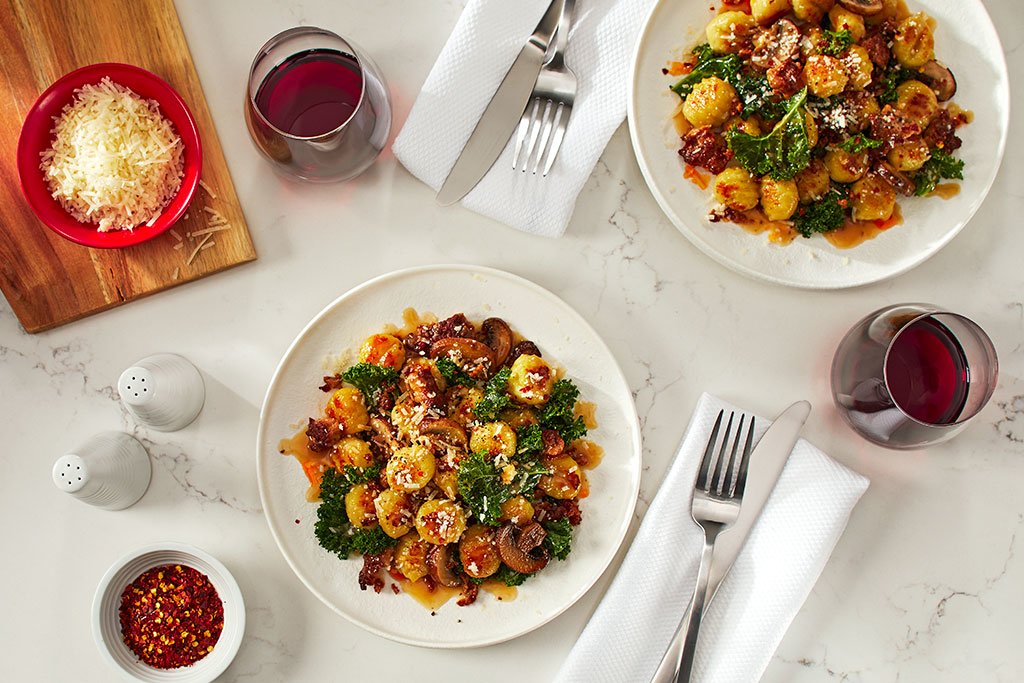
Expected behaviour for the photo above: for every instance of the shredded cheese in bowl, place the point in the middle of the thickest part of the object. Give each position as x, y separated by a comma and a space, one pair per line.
115, 159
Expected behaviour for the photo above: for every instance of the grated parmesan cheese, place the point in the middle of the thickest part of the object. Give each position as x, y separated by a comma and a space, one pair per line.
115, 160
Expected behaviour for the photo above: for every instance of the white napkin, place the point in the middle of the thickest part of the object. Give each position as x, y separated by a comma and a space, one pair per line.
773, 574
482, 47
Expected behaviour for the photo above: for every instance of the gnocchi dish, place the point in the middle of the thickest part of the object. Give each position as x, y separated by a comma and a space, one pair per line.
451, 457
813, 117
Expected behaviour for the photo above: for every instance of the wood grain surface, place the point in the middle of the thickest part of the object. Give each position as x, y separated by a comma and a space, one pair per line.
49, 280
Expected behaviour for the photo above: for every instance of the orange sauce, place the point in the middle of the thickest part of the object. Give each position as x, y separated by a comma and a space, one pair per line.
422, 593
588, 454
500, 591
779, 232
434, 598
858, 232
588, 411
696, 177
946, 190
297, 446
411, 319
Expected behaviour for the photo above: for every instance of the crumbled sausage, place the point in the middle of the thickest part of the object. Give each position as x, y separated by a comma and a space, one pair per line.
877, 46
370, 574
322, 434
422, 337
552, 441
941, 132
704, 147
551, 510
332, 383
785, 78
469, 593
890, 128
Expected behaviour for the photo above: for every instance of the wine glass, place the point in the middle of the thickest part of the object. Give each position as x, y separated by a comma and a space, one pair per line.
316, 105
913, 375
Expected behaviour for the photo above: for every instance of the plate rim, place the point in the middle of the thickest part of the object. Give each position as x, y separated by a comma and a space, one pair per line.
632, 419
724, 260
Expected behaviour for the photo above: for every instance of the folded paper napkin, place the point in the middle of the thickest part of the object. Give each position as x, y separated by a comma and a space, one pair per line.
485, 42
773, 574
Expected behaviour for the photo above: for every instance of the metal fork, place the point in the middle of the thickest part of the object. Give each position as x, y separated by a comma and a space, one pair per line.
547, 115
717, 495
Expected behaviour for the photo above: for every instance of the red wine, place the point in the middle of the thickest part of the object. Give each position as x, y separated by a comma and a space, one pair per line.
926, 373
311, 93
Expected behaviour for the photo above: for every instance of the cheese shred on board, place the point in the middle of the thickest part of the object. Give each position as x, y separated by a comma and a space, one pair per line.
115, 160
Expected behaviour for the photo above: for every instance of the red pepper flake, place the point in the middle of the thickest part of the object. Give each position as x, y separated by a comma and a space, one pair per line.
171, 616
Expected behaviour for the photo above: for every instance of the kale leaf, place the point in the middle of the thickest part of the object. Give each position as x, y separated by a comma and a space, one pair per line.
783, 152
528, 474
510, 577
558, 414
559, 538
824, 215
372, 541
859, 143
940, 165
887, 84
495, 397
757, 97
333, 530
528, 441
480, 485
453, 374
372, 380
836, 42
708, 64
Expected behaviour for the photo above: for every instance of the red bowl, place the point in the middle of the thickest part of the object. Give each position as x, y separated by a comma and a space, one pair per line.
36, 138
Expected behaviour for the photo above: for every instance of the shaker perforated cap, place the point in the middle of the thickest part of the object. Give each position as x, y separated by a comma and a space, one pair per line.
70, 473
163, 391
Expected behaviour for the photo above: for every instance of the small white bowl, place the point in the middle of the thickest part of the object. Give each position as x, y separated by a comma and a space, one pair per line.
106, 626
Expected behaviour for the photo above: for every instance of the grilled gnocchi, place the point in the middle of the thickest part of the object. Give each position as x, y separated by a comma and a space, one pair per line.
814, 116
446, 456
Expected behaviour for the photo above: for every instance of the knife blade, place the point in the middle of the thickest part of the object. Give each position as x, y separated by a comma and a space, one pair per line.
502, 114
766, 463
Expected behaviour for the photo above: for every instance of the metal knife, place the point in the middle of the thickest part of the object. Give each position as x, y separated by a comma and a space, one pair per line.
766, 463
502, 114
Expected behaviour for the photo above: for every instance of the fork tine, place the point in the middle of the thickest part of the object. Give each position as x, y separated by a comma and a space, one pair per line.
561, 122
709, 454
748, 447
720, 466
729, 485
550, 116
524, 126
535, 126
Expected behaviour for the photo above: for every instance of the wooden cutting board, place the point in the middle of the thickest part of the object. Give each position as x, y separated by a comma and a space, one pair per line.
47, 279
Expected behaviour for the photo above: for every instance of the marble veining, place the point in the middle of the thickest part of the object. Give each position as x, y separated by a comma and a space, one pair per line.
925, 586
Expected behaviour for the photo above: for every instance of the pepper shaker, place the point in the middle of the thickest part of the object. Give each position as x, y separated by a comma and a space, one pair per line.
163, 391
111, 471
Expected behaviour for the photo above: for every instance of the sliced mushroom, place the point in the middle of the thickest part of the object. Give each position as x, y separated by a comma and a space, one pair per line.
467, 353
498, 336
448, 430
440, 564
523, 348
940, 79
520, 548
864, 7
899, 181
776, 45
384, 435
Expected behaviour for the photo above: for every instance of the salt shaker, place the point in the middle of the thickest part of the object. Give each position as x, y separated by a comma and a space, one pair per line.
111, 471
163, 391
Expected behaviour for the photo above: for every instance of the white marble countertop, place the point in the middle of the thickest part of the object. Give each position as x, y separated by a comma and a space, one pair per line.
926, 585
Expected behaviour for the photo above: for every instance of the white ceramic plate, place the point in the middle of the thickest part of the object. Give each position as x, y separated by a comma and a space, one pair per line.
965, 40
564, 338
